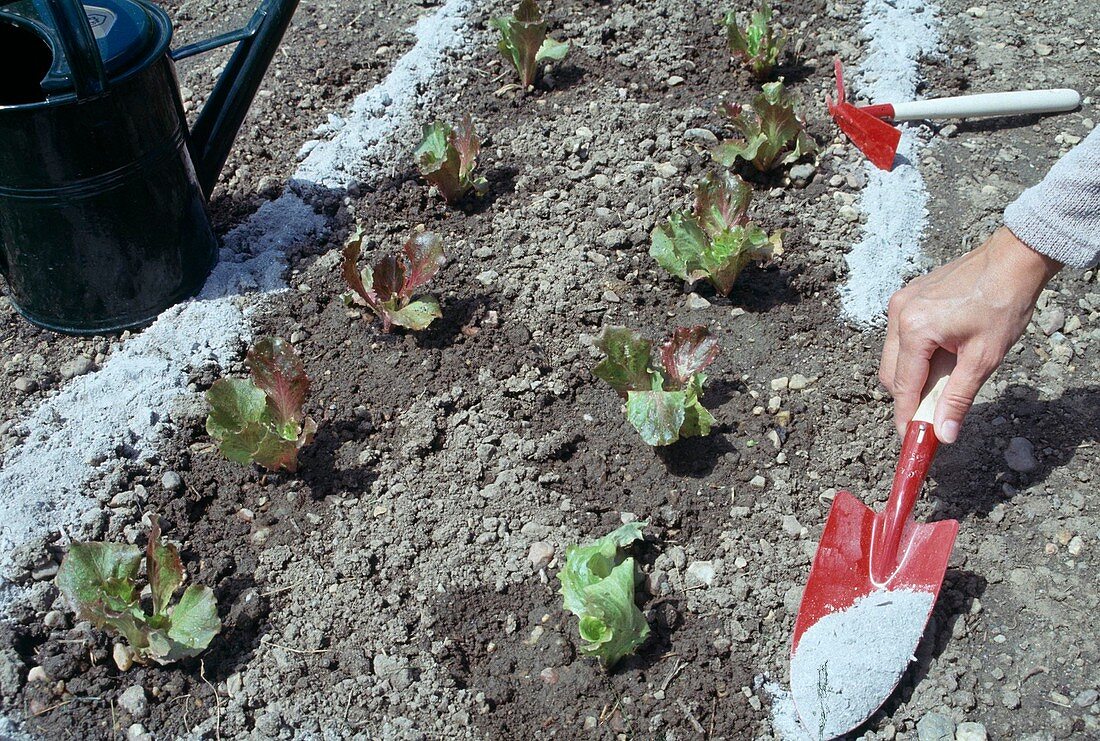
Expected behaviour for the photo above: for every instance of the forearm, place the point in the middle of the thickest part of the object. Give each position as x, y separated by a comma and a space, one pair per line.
1060, 217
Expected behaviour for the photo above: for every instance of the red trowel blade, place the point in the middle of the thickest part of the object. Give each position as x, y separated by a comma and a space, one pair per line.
874, 137
841, 572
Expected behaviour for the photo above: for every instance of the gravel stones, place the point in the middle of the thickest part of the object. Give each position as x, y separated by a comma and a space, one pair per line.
540, 555
700, 573
78, 366
970, 731
1020, 455
936, 727
134, 702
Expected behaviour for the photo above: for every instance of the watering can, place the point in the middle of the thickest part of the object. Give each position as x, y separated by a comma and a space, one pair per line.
103, 190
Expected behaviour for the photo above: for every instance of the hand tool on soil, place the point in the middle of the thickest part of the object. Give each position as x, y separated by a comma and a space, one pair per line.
868, 127
103, 189
872, 586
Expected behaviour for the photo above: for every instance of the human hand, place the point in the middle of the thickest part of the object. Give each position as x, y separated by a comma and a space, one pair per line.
976, 307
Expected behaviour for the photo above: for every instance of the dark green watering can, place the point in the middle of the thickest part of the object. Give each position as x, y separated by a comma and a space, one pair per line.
103, 190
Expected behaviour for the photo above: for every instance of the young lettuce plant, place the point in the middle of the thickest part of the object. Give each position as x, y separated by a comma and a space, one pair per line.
524, 43
387, 287
716, 240
260, 419
772, 136
597, 583
661, 409
758, 44
447, 156
100, 581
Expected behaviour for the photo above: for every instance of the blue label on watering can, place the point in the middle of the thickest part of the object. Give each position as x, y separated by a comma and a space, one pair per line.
102, 20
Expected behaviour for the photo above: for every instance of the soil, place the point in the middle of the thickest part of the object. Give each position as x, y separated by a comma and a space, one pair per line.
385, 590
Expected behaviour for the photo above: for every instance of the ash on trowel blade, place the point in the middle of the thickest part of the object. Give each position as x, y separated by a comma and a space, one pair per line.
848, 663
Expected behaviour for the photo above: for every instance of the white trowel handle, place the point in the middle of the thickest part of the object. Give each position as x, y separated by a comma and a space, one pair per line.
989, 104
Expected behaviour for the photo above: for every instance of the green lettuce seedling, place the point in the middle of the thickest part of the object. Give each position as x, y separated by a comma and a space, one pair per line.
772, 136
758, 44
524, 43
447, 156
260, 419
716, 240
100, 582
393, 279
597, 584
661, 409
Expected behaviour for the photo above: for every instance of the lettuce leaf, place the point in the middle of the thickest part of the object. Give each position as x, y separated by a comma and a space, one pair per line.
597, 585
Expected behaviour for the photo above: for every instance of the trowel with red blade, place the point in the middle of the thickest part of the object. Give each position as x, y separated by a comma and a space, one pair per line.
868, 127
862, 552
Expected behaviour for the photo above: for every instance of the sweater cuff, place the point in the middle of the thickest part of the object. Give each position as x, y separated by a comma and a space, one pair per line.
1060, 217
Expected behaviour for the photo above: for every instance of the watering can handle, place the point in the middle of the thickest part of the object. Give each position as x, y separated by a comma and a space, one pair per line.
80, 48
225, 108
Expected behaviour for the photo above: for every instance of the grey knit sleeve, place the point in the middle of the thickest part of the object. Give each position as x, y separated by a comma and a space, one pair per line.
1060, 217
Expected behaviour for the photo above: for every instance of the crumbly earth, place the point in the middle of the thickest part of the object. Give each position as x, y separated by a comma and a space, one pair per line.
386, 591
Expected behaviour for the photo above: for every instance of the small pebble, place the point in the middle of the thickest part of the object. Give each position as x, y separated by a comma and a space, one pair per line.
540, 555
970, 731
24, 385
133, 701
700, 573
171, 481
78, 366
703, 137
1020, 455
935, 727
696, 302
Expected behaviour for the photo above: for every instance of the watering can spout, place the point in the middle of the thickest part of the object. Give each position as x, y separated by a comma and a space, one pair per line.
221, 117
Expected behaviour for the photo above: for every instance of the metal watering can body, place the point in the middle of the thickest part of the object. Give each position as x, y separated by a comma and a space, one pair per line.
103, 189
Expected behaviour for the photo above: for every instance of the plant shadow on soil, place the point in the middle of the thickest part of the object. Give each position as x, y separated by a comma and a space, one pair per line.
970, 473
518, 648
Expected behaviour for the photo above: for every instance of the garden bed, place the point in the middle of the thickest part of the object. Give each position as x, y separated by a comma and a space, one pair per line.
385, 590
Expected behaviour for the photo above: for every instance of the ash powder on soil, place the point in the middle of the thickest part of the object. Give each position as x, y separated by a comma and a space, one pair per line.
121, 410
899, 33
848, 662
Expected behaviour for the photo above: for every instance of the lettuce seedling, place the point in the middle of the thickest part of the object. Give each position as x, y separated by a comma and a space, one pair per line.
597, 584
771, 137
758, 44
100, 581
260, 419
393, 279
716, 240
661, 409
447, 156
524, 43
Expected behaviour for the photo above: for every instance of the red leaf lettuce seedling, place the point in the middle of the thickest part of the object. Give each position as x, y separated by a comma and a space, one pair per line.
758, 44
597, 584
100, 581
716, 240
524, 43
447, 156
260, 419
770, 137
661, 410
387, 288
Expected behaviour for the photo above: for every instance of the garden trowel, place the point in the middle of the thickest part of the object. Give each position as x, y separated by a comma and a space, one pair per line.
868, 561
868, 127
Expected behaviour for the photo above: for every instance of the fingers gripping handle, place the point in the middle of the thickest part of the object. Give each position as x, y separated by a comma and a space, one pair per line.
917, 451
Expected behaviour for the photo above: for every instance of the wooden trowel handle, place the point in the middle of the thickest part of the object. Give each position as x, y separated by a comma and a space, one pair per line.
917, 451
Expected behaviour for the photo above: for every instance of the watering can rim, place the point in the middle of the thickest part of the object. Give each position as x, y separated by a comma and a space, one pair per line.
220, 119
162, 28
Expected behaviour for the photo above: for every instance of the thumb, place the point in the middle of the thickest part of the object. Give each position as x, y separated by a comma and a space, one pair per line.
958, 395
